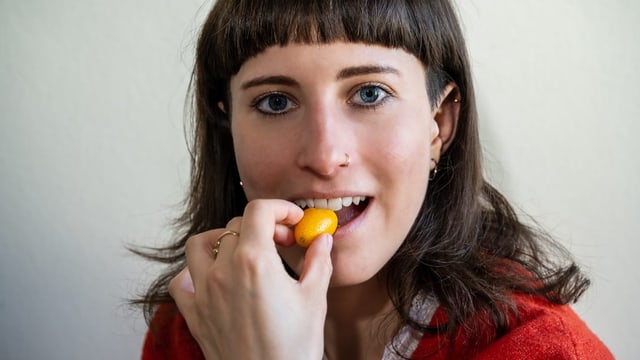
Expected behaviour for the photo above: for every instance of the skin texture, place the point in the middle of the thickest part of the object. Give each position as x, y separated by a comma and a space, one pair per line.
247, 278
297, 154
295, 111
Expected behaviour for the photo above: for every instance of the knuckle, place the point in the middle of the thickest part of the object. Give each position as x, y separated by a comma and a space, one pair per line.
256, 206
193, 243
234, 223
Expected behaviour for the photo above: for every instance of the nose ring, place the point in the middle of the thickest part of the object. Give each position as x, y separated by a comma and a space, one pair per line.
347, 160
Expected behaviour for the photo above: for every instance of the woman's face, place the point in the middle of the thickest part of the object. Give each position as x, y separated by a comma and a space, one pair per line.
297, 110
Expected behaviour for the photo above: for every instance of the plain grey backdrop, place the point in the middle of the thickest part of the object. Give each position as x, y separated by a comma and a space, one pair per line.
93, 155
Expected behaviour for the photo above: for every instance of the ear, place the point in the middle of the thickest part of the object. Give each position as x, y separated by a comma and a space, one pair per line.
445, 118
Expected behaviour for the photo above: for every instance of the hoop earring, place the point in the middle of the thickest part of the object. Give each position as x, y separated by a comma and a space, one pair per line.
433, 172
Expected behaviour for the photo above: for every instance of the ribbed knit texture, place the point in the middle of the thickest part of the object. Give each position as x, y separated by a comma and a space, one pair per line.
542, 331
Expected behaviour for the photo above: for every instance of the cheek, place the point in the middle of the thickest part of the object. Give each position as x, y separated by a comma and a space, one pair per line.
409, 174
405, 153
408, 136
259, 163
403, 170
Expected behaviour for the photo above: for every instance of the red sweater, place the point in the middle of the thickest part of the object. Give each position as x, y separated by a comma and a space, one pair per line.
543, 331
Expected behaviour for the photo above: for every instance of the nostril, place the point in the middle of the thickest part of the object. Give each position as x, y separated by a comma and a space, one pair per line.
325, 164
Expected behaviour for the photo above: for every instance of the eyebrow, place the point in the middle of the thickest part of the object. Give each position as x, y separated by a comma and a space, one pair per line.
343, 74
365, 70
269, 80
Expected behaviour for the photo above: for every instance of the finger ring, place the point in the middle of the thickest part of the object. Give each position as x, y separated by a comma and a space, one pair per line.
216, 247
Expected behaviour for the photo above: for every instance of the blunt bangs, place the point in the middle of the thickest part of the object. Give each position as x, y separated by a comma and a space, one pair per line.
247, 27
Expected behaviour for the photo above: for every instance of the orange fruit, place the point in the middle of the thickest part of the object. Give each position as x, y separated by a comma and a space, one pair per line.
315, 222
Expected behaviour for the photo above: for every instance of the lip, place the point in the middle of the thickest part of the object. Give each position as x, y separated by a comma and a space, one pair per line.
345, 230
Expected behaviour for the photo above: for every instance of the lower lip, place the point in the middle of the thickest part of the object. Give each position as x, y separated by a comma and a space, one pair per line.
345, 230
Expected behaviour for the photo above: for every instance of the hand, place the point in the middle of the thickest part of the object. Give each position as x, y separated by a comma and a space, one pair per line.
242, 304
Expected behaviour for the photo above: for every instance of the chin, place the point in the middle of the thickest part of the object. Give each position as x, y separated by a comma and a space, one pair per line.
347, 273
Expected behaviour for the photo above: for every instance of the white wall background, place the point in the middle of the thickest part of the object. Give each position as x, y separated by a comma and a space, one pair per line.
92, 154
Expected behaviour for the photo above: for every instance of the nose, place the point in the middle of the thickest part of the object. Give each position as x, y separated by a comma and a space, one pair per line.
325, 141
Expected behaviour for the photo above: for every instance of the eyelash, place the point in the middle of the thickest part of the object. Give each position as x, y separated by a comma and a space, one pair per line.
386, 95
256, 104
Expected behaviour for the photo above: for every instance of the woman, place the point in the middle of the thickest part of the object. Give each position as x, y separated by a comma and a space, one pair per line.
367, 107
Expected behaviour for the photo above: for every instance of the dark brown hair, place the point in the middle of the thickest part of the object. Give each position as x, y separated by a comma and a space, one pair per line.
467, 246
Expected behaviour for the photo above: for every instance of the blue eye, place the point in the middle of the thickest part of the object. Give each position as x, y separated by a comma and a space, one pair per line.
369, 96
274, 104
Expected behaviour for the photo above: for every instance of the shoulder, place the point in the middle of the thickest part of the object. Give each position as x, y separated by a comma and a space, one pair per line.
541, 330
548, 331
168, 337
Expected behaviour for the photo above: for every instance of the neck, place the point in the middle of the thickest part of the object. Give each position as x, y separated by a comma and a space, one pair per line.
359, 321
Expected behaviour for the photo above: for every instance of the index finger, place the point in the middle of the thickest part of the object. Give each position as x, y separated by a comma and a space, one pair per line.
262, 217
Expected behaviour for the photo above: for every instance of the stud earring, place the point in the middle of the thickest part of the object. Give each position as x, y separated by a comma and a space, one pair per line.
456, 100
241, 183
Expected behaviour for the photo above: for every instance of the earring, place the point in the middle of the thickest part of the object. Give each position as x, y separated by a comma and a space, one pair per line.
241, 183
433, 173
456, 100
347, 160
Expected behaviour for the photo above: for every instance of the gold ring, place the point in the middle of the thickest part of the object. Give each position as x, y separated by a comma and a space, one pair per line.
216, 247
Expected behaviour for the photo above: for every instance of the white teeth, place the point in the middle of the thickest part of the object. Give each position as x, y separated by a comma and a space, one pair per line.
346, 201
334, 204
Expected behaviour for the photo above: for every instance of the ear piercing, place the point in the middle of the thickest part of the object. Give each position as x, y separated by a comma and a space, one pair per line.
435, 169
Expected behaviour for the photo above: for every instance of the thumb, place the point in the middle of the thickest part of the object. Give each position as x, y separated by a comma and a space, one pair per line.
317, 268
